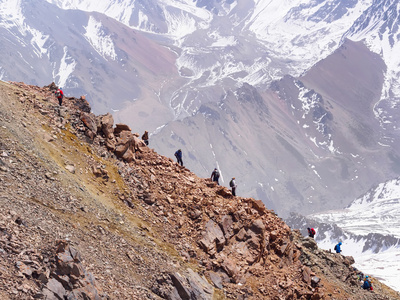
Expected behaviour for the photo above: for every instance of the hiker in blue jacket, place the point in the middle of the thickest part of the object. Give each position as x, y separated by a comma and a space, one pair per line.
178, 155
367, 284
337, 248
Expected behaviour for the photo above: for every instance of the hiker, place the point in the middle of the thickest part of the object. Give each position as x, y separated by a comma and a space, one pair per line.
145, 138
178, 155
337, 248
215, 176
232, 184
367, 284
311, 232
60, 95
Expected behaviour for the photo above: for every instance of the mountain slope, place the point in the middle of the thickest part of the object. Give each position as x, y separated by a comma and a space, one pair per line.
306, 139
144, 229
226, 67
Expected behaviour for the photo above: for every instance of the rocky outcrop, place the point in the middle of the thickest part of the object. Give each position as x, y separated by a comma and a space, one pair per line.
67, 277
188, 285
55, 273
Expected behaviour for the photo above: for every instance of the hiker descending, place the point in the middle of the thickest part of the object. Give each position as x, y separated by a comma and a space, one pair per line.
232, 184
215, 176
60, 95
367, 285
337, 247
178, 155
311, 232
145, 138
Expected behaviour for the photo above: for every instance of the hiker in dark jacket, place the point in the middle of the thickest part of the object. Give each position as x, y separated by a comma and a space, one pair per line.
215, 176
337, 248
367, 284
145, 138
233, 185
60, 95
178, 155
311, 232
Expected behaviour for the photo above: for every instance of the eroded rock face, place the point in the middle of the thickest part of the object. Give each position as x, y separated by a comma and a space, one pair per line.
213, 238
68, 277
186, 285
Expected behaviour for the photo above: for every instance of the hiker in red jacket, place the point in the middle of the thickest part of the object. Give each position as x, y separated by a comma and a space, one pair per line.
311, 232
60, 96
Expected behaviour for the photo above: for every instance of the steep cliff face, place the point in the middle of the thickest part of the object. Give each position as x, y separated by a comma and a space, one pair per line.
88, 210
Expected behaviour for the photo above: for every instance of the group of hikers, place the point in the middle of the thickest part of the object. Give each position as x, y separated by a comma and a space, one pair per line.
178, 154
367, 283
215, 177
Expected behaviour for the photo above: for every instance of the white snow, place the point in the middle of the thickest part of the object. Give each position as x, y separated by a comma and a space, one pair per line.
377, 211
387, 45
275, 23
67, 67
11, 17
2, 72
100, 41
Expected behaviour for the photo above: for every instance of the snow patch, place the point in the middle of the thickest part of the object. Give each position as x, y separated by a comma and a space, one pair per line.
100, 41
67, 67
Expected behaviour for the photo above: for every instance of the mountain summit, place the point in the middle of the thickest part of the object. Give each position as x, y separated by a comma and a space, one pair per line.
88, 211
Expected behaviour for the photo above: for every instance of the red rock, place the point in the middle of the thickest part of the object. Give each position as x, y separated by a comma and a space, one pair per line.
107, 123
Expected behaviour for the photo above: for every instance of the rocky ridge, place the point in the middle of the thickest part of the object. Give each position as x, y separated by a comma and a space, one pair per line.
88, 211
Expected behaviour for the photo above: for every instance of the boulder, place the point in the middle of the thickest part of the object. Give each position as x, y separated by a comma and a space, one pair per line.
227, 226
259, 206
212, 238
107, 123
121, 127
89, 120
258, 227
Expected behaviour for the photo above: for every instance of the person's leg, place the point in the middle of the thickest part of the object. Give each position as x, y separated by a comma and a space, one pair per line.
60, 101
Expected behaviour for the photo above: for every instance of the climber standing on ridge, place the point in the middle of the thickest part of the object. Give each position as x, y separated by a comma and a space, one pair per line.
215, 176
60, 95
337, 247
233, 185
145, 138
178, 155
311, 232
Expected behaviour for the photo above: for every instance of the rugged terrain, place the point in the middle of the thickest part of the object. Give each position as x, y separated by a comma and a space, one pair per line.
87, 211
197, 75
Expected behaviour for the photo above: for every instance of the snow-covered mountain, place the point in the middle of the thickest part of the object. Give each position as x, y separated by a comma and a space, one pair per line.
369, 229
296, 99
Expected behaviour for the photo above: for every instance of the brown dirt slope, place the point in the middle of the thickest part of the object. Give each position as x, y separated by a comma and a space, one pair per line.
78, 221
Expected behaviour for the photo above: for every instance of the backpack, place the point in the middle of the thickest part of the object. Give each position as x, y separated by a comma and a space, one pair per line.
58, 94
231, 184
335, 248
313, 232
